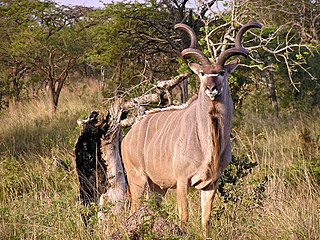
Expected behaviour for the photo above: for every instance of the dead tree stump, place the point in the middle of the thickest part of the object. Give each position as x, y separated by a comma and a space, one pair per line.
90, 167
98, 162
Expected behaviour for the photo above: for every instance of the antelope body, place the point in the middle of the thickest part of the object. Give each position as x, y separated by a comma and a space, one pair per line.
188, 146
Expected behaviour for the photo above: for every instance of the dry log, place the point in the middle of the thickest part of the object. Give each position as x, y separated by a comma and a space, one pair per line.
116, 187
144, 99
163, 87
170, 84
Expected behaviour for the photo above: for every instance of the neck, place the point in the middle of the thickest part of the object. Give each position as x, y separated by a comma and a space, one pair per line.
208, 116
209, 130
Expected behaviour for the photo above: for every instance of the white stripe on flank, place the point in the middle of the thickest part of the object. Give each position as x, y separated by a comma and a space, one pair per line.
138, 137
146, 136
158, 120
168, 127
179, 134
164, 133
158, 134
172, 134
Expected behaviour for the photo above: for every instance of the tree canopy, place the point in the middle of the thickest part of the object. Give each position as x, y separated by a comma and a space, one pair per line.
127, 44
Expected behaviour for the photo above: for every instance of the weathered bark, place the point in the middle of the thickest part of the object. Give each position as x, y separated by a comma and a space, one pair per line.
98, 162
162, 87
144, 99
170, 84
115, 190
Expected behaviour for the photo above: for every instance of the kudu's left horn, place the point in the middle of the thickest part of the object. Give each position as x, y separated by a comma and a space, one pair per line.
238, 49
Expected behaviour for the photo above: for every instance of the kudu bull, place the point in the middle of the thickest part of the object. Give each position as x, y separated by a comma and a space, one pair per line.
190, 146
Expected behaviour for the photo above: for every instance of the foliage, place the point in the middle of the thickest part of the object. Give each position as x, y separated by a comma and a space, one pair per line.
235, 179
128, 44
290, 45
45, 37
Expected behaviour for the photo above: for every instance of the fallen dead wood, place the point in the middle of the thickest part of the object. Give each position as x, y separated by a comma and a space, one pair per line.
162, 97
170, 84
162, 88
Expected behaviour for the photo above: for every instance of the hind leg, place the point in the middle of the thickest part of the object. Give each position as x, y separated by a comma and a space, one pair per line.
137, 183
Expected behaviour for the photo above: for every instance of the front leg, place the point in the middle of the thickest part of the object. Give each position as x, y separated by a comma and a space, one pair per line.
207, 196
182, 200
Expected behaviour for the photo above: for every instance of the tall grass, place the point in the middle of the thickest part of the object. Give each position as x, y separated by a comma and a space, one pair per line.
39, 197
278, 197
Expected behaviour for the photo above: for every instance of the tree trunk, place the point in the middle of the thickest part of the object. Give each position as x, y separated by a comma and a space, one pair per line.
56, 81
15, 81
89, 165
273, 93
184, 91
99, 166
53, 103
116, 187
55, 86
270, 86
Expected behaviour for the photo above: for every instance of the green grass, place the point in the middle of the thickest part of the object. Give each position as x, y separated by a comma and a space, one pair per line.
272, 191
38, 199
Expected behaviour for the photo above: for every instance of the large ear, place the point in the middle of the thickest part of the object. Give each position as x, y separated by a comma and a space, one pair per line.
195, 67
232, 65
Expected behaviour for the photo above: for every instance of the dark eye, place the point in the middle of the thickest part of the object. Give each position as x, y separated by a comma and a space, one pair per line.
221, 73
201, 74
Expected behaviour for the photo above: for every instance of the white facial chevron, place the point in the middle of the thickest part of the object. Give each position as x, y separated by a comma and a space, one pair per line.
212, 75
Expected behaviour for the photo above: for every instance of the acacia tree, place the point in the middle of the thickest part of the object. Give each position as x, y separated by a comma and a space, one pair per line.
61, 41
13, 22
128, 47
52, 42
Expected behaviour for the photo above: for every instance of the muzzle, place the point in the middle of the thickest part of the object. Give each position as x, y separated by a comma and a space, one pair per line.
213, 91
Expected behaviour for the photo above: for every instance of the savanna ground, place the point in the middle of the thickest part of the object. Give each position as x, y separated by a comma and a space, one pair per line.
270, 191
